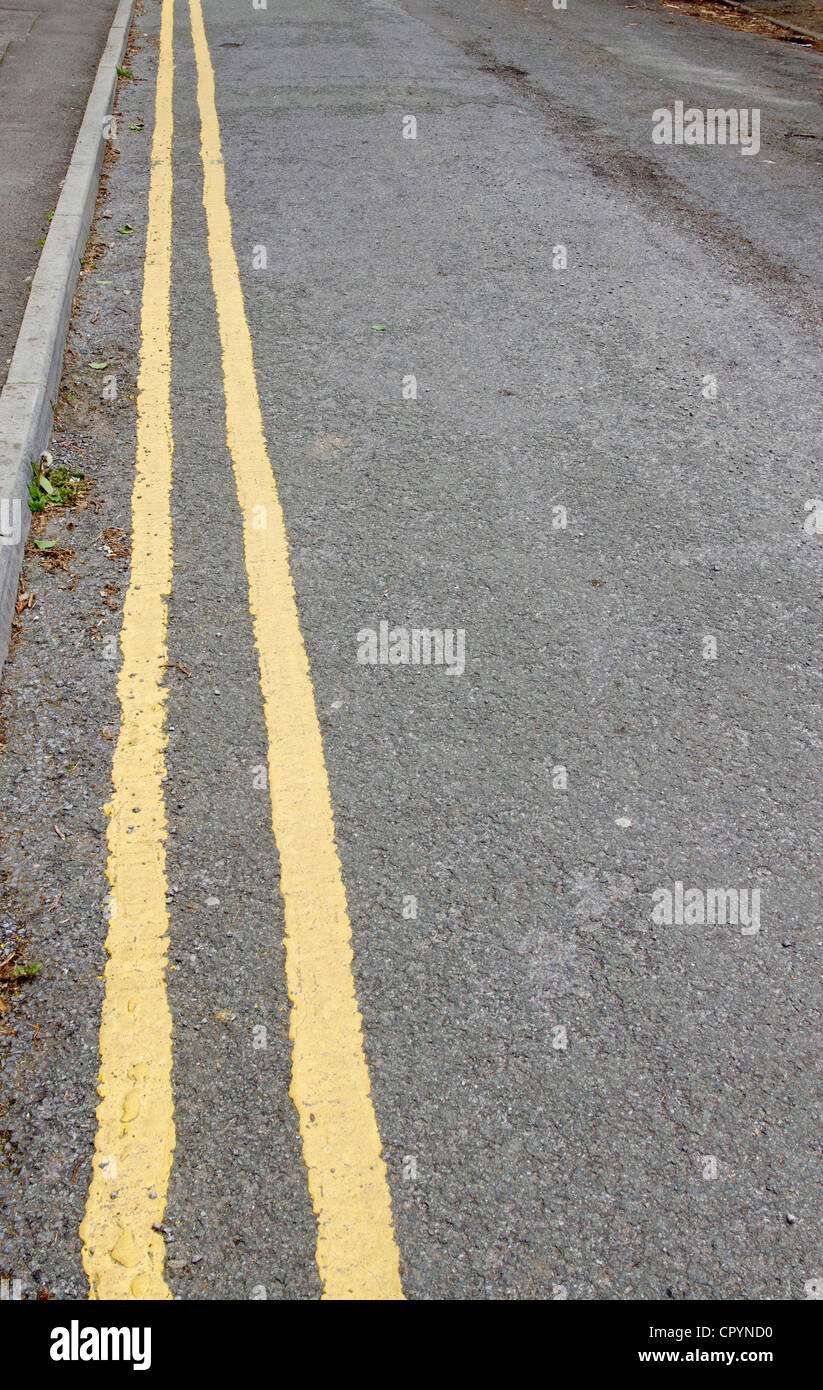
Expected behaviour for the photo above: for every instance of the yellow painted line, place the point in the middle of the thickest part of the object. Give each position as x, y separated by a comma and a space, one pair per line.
122, 1254
356, 1251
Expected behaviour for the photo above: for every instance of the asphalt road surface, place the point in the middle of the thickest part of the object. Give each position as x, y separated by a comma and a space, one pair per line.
399, 315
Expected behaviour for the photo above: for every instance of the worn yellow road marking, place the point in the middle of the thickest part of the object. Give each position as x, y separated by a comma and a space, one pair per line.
356, 1251
122, 1254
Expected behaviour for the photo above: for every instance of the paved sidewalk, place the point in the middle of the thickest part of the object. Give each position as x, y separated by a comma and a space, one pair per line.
805, 14
49, 52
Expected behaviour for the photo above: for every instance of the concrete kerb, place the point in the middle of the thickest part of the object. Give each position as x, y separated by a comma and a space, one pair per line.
27, 399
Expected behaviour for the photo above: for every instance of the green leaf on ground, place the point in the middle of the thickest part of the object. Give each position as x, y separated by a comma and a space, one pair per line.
55, 487
26, 972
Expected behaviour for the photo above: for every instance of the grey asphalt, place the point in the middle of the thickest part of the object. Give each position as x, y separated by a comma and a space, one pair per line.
49, 51
539, 1170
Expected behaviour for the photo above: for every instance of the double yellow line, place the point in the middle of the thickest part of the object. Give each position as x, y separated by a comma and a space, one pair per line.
123, 1249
